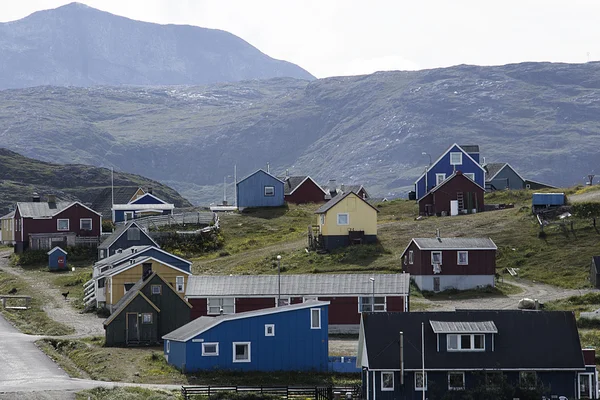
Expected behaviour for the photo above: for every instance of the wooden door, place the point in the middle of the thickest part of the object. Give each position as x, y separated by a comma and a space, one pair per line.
436, 284
133, 329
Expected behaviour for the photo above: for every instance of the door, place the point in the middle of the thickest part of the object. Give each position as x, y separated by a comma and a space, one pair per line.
133, 329
436, 284
585, 386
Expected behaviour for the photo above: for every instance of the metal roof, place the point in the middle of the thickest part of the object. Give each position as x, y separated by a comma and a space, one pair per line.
203, 324
9, 215
455, 243
297, 285
291, 183
120, 230
42, 209
463, 327
103, 201
331, 203
491, 169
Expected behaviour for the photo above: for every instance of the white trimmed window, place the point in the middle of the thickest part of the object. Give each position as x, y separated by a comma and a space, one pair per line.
85, 224
315, 318
322, 219
269, 330
439, 178
210, 349
269, 191
180, 284
436, 257
387, 380
156, 289
411, 257
128, 215
146, 318
456, 158
365, 304
133, 233
343, 219
241, 352
462, 258
466, 342
62, 224
218, 304
456, 381
470, 175
420, 383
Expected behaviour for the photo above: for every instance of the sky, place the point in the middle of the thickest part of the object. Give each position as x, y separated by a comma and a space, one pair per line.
352, 37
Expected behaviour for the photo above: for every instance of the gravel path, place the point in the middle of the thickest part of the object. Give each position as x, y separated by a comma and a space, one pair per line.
588, 196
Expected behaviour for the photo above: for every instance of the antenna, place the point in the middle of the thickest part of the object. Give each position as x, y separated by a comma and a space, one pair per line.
112, 185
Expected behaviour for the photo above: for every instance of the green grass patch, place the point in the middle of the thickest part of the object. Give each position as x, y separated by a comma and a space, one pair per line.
73, 283
585, 303
501, 289
128, 393
397, 210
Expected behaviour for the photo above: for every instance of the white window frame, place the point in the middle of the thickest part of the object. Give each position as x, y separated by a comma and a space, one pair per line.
144, 315
454, 154
347, 219
271, 327
322, 219
411, 257
420, 389
249, 359
128, 215
383, 387
466, 253
207, 354
432, 257
82, 220
372, 308
463, 381
459, 342
159, 287
470, 175
58, 224
220, 301
180, 284
439, 178
312, 319
272, 190
168, 346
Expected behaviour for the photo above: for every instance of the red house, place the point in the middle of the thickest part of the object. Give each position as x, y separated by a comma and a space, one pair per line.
302, 189
438, 264
348, 294
467, 194
44, 225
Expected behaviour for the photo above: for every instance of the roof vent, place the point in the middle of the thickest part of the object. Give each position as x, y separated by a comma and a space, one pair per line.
131, 261
51, 198
35, 197
332, 187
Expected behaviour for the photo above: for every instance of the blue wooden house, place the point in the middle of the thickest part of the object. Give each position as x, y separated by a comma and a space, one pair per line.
456, 158
403, 355
124, 237
287, 338
261, 189
145, 205
57, 259
500, 176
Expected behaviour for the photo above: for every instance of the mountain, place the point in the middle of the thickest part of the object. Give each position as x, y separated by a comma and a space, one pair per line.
542, 118
21, 176
76, 45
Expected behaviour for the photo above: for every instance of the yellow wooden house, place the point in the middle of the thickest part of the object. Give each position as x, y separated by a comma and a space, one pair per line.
123, 277
7, 228
346, 219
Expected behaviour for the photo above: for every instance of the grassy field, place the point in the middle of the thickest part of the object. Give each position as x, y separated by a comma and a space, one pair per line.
127, 393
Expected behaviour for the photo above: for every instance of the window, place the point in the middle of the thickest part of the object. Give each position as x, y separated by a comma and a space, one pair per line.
315, 318
439, 178
210, 349
218, 304
156, 289
179, 284
411, 257
420, 383
456, 380
528, 379
387, 381
62, 224
269, 330
455, 158
343, 219
269, 191
146, 318
365, 304
146, 269
102, 254
168, 346
128, 215
133, 233
470, 175
85, 224
128, 286
241, 352
436, 257
463, 258
474, 342
322, 219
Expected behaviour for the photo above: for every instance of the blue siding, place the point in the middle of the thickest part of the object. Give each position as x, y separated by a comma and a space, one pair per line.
506, 179
548, 199
145, 199
295, 346
251, 191
53, 260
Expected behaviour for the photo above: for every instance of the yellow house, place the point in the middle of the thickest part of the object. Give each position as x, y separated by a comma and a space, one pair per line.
7, 228
123, 277
346, 219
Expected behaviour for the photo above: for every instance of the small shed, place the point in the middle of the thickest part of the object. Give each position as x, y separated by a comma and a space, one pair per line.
57, 259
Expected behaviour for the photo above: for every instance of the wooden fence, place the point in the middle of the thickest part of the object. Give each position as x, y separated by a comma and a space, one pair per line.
208, 219
283, 392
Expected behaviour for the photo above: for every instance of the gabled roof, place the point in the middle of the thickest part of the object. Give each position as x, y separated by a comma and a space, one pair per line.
452, 243
141, 259
529, 181
331, 203
293, 285
202, 324
143, 207
344, 189
449, 179
442, 156
56, 248
291, 183
526, 340
103, 201
135, 201
9, 215
45, 209
493, 169
119, 231
256, 172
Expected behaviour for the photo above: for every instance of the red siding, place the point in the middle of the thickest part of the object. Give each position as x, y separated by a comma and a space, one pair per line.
589, 356
481, 262
343, 310
308, 192
253, 303
394, 304
440, 199
198, 307
73, 213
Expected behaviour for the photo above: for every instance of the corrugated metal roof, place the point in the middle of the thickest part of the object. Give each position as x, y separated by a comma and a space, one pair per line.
460, 243
297, 285
42, 209
103, 201
463, 327
331, 203
124, 255
8, 216
491, 169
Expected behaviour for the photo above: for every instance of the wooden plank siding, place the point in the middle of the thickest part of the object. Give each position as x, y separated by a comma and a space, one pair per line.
440, 199
308, 192
116, 331
251, 191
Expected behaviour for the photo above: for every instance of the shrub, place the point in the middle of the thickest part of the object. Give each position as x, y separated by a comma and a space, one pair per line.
31, 257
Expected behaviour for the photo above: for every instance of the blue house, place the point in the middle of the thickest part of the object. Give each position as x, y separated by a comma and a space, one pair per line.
57, 259
143, 206
500, 176
287, 338
456, 158
124, 237
403, 355
261, 189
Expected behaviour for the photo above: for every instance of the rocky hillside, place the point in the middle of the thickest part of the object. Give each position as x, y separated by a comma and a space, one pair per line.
76, 45
542, 118
21, 176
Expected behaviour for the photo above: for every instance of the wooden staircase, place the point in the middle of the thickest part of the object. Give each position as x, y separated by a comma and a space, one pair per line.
461, 200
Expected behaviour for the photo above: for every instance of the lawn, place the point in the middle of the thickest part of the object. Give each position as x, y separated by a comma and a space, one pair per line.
128, 393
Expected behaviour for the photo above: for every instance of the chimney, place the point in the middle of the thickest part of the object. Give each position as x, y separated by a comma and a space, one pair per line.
51, 198
343, 188
35, 197
149, 190
332, 187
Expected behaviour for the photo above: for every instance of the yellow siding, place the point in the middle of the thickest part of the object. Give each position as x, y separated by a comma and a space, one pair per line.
7, 230
139, 193
362, 217
134, 274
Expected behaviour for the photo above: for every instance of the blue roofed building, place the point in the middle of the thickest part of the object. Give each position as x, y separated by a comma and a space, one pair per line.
145, 205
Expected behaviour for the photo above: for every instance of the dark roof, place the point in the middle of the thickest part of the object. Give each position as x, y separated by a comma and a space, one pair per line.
119, 230
525, 340
470, 148
455, 175
491, 169
327, 206
103, 202
343, 189
596, 261
291, 183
